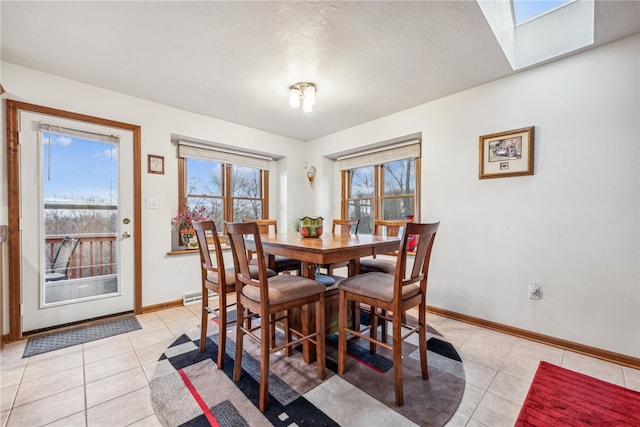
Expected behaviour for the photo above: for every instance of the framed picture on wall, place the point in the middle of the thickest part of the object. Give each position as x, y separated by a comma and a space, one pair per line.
155, 164
506, 154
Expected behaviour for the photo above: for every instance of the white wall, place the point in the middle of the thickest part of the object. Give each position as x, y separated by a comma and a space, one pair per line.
165, 278
573, 226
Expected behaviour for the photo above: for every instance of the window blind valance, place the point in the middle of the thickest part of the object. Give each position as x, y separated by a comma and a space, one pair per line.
92, 136
223, 155
376, 156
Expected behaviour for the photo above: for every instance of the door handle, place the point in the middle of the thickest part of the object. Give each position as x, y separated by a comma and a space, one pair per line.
126, 235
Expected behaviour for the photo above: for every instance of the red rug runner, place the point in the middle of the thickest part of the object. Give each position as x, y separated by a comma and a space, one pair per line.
559, 397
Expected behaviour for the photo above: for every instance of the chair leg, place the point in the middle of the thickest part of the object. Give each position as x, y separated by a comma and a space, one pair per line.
288, 351
422, 337
397, 359
237, 367
373, 332
384, 330
265, 351
222, 330
342, 333
320, 338
204, 323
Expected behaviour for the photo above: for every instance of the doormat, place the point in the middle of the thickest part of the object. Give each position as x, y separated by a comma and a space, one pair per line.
560, 397
80, 335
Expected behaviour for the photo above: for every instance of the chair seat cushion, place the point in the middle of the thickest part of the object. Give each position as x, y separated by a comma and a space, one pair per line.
369, 265
230, 275
377, 285
284, 288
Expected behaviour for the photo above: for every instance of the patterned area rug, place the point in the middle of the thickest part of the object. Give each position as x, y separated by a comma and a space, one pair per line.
80, 335
560, 397
189, 389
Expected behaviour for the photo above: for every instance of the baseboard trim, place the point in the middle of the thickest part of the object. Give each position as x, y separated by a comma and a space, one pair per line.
162, 306
608, 356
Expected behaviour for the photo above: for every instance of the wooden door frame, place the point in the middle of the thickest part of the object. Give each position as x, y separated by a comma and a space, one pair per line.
13, 109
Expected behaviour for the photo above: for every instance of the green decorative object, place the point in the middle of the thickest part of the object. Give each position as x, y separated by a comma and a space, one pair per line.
189, 238
310, 227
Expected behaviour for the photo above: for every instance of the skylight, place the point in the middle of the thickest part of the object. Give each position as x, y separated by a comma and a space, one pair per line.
533, 31
524, 10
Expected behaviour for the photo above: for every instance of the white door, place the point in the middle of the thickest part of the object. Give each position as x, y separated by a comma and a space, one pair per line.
77, 188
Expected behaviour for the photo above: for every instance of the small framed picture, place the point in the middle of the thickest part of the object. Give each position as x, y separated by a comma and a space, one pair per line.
506, 154
155, 164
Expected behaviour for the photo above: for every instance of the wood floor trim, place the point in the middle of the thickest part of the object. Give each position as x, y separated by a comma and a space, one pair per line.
609, 356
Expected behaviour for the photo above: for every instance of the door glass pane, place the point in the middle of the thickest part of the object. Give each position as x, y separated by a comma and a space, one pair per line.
80, 198
399, 177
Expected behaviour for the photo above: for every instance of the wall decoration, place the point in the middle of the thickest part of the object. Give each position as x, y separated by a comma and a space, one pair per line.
506, 154
311, 175
155, 164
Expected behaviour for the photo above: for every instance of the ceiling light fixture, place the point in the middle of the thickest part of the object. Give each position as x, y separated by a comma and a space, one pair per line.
304, 93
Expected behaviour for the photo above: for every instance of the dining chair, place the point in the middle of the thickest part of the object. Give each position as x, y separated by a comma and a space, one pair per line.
382, 228
341, 227
395, 294
271, 299
59, 269
218, 279
280, 263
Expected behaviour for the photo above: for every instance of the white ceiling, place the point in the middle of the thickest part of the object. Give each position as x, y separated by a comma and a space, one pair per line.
235, 60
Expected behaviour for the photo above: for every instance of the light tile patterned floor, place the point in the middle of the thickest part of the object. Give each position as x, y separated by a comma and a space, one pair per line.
106, 382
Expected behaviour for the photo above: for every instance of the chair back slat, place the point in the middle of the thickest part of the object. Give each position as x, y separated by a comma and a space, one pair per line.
266, 226
345, 226
206, 232
425, 235
390, 228
237, 234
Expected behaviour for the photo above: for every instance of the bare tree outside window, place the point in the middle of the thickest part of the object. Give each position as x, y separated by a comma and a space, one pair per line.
386, 191
228, 192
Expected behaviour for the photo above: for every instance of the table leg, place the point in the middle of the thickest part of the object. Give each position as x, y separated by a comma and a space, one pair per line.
307, 314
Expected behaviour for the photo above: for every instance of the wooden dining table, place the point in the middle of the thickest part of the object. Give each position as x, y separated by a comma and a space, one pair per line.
326, 249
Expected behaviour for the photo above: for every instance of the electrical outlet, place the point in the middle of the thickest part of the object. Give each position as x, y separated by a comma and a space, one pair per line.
534, 291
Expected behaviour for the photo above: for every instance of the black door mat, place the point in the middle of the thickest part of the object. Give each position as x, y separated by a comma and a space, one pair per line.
80, 335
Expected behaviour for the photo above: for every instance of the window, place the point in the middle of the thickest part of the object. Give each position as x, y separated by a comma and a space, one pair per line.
386, 190
525, 10
230, 186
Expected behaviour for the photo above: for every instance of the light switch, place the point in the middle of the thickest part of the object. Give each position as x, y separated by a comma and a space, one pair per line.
151, 203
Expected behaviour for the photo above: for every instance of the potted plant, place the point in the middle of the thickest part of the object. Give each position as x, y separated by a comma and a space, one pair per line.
183, 224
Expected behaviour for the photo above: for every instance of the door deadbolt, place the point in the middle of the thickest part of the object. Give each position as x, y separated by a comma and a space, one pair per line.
126, 221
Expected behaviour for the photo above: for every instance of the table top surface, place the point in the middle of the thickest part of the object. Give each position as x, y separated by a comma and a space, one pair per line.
328, 247
327, 241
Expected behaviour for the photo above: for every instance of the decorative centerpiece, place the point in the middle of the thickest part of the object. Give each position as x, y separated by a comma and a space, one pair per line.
310, 227
183, 224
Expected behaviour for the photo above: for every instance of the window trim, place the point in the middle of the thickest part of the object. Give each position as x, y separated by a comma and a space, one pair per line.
227, 197
378, 196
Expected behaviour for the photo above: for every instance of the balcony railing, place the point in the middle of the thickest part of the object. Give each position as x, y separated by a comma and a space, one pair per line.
95, 254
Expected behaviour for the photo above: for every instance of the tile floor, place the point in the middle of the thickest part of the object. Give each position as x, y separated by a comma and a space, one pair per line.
106, 382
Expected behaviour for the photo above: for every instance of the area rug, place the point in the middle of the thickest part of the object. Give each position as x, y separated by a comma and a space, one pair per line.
189, 389
56, 340
560, 397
